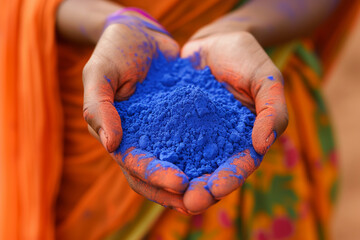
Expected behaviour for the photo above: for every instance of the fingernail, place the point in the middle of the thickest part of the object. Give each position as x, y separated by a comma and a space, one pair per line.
103, 138
194, 213
271, 139
172, 190
180, 210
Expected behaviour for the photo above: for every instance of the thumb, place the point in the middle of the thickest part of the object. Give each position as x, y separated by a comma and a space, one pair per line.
195, 51
99, 111
272, 117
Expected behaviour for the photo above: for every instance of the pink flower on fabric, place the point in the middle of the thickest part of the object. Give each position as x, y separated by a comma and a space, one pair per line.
282, 227
291, 157
225, 219
197, 221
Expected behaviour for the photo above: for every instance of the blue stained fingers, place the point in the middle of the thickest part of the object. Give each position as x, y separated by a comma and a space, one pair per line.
158, 173
232, 174
198, 198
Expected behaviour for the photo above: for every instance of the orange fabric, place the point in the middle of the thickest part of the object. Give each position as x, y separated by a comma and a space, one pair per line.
320, 175
30, 120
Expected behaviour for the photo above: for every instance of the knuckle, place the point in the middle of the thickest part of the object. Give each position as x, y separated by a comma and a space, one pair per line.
244, 37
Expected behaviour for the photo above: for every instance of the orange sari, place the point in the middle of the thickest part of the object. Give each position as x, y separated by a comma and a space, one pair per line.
30, 120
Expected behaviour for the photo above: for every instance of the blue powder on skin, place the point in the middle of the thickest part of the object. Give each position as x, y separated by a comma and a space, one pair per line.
186, 117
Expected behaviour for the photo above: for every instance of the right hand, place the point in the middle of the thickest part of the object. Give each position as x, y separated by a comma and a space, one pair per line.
238, 60
122, 57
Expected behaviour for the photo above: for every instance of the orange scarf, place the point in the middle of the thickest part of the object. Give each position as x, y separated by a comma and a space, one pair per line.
30, 119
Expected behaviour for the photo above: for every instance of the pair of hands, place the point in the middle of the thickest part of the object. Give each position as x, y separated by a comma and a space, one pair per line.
122, 58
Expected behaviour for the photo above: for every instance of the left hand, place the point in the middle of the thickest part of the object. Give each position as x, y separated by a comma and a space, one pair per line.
238, 60
122, 58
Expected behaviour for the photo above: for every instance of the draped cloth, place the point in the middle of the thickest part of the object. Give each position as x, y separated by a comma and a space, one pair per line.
56, 181
30, 120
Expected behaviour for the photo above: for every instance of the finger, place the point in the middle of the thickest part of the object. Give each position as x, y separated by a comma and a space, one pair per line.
242, 96
167, 46
271, 111
194, 51
160, 196
158, 173
232, 174
93, 133
204, 32
198, 198
99, 111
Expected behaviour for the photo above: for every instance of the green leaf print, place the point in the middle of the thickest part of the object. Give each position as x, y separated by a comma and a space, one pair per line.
194, 235
310, 59
280, 193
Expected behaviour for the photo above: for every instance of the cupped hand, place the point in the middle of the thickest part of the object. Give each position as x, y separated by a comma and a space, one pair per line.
208, 189
238, 60
122, 58
159, 181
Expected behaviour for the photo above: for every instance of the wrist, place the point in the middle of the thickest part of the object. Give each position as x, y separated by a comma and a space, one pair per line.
225, 25
131, 12
134, 17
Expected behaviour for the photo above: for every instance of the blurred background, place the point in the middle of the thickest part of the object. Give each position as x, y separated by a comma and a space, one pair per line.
342, 92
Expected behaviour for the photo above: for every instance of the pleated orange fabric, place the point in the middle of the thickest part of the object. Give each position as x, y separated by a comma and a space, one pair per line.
30, 120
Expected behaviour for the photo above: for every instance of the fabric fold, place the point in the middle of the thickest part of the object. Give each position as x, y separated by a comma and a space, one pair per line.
31, 120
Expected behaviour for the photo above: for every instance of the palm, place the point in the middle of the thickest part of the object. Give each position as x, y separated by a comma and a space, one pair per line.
239, 61
122, 58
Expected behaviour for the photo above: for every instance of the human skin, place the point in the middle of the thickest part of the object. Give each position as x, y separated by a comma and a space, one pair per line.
230, 46
121, 58
272, 22
258, 84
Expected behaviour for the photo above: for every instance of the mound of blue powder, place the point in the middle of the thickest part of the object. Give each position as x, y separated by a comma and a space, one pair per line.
186, 117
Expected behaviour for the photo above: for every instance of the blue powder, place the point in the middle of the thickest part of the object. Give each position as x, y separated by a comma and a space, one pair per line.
186, 117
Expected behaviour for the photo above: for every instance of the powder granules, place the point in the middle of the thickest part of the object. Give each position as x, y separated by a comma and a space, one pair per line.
184, 116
